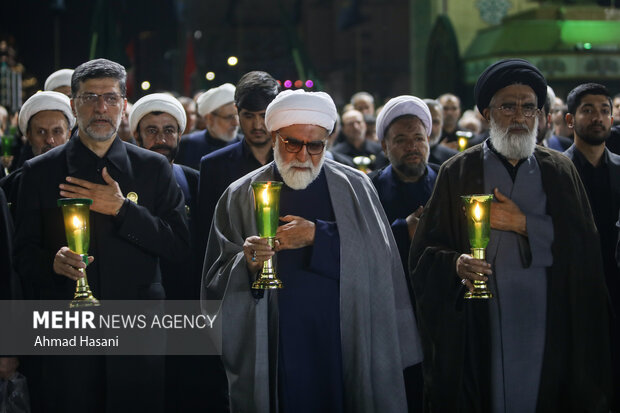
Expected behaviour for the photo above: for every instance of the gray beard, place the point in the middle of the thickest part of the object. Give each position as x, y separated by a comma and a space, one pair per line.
297, 179
98, 136
228, 137
513, 146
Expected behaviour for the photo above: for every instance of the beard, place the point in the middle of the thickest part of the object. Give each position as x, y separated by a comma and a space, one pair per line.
408, 169
293, 178
228, 136
512, 145
92, 130
593, 135
170, 152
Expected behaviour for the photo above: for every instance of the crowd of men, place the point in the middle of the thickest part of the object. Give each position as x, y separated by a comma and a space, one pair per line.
372, 246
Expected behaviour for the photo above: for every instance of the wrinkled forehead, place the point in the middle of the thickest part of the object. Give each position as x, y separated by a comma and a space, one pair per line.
513, 94
100, 85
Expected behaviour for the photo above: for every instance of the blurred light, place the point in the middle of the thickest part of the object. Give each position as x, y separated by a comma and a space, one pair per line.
309, 83
210, 76
279, 83
197, 35
298, 83
232, 61
587, 46
288, 84
146, 85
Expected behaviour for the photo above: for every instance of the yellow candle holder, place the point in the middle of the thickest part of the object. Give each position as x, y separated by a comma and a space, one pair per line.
478, 212
362, 163
76, 212
267, 209
463, 139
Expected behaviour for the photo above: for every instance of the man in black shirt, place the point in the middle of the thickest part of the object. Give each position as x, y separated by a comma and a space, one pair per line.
590, 117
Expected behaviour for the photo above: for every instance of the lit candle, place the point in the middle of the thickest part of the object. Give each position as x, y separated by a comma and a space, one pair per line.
78, 235
266, 212
462, 144
478, 223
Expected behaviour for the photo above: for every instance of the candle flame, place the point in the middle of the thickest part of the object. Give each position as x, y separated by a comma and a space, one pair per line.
477, 212
76, 222
462, 142
265, 196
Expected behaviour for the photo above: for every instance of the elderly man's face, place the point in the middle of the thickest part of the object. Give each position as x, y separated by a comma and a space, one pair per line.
99, 117
159, 133
592, 119
354, 127
513, 133
406, 146
451, 111
253, 127
364, 105
437, 116
46, 130
223, 122
298, 169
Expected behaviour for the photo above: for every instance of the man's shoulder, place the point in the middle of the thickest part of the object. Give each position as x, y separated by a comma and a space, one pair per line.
51, 157
228, 152
189, 171
195, 136
340, 171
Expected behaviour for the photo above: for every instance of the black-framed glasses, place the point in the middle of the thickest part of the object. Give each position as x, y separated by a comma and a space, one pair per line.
293, 145
529, 111
110, 99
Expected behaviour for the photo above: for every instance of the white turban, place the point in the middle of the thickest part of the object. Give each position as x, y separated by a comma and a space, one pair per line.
59, 78
215, 97
403, 105
298, 107
45, 101
157, 102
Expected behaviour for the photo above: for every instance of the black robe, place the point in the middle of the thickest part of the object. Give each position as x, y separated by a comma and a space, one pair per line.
576, 372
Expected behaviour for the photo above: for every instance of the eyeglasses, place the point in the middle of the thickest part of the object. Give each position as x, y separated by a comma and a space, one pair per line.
228, 118
293, 145
529, 111
110, 99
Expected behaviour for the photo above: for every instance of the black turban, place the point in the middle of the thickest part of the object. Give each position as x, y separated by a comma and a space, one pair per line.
505, 73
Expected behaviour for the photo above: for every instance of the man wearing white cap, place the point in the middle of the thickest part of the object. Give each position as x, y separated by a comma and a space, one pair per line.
45, 120
339, 334
59, 81
404, 186
217, 107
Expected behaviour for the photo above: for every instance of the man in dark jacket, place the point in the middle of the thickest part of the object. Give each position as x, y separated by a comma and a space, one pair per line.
137, 216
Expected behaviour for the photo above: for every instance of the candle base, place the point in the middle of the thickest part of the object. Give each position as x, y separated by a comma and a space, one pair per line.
267, 279
83, 296
481, 290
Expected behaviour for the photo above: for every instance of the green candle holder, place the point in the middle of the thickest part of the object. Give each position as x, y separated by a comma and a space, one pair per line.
76, 212
267, 209
478, 212
362, 163
7, 145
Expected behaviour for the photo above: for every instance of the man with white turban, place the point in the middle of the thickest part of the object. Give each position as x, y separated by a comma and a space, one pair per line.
46, 120
59, 81
217, 107
338, 335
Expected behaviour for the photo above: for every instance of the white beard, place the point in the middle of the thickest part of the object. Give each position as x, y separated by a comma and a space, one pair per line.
297, 179
513, 146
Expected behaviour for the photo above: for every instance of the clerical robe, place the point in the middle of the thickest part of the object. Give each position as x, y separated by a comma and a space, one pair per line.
456, 337
378, 335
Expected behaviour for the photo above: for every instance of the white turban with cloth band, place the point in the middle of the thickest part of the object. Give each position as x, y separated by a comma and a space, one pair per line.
59, 78
216, 97
400, 106
45, 101
157, 102
298, 107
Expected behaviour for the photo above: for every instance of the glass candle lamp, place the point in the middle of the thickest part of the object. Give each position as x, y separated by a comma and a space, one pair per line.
267, 209
478, 212
76, 212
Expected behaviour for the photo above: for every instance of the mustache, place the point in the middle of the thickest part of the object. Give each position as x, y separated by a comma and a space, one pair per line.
99, 118
161, 146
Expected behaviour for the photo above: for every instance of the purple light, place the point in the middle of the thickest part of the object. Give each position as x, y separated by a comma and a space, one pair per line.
309, 84
288, 84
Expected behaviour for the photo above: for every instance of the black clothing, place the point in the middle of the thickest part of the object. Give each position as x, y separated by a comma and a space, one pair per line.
373, 150
440, 153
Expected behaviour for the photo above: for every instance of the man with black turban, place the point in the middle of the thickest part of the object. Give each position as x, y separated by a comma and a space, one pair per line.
541, 343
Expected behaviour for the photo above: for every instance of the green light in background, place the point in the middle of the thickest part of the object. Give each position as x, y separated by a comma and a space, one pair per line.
587, 46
